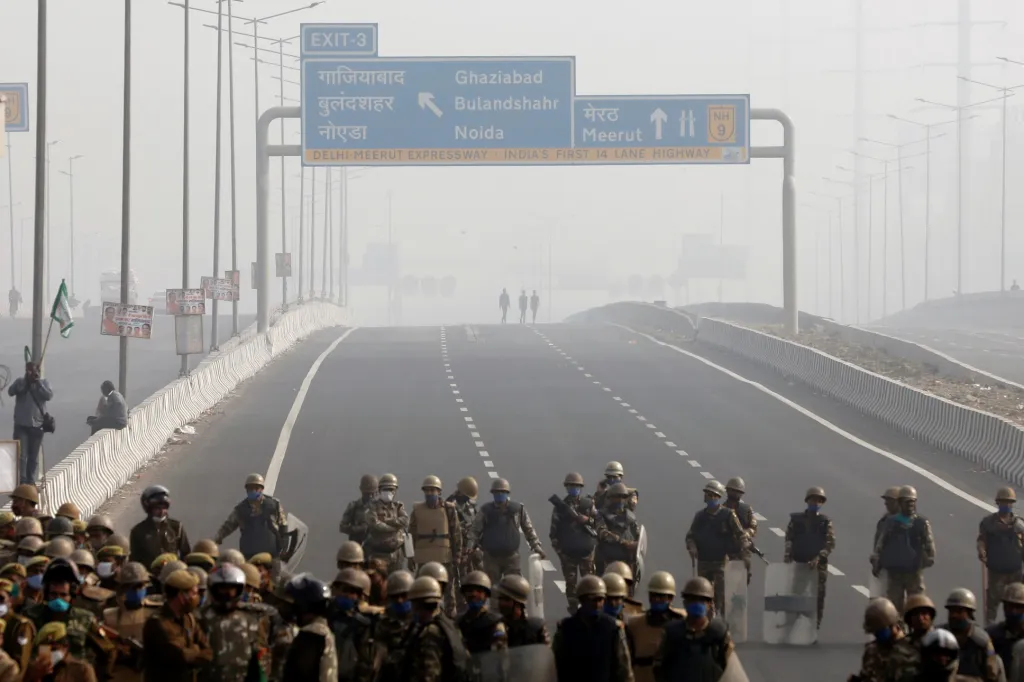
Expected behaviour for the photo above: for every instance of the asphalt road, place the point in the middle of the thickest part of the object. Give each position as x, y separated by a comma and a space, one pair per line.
998, 352
537, 403
77, 365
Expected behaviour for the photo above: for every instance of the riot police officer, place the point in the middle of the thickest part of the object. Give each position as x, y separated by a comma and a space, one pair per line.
714, 530
435, 650
978, 657
482, 629
888, 656
439, 573
313, 654
613, 473
904, 549
618, 531
891, 498
391, 628
350, 555
435, 532
496, 532
157, 533
464, 499
1006, 633
644, 631
1000, 549
386, 523
919, 615
591, 645
520, 628
352, 624
810, 539
696, 647
260, 520
614, 595
631, 607
735, 489
353, 520
574, 535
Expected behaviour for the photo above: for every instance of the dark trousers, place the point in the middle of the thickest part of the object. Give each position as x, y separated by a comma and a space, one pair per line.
105, 422
31, 438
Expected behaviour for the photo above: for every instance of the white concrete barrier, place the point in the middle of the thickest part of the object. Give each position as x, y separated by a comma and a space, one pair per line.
101, 465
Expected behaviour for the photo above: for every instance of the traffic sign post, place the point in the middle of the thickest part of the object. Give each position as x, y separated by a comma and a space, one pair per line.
338, 40
15, 108
437, 111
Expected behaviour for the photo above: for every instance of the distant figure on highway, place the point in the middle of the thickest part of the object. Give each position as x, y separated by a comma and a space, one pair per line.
1015, 286
534, 305
504, 303
111, 412
31, 394
13, 301
523, 300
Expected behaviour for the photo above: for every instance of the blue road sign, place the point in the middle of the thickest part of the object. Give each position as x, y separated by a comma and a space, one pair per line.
437, 111
16, 107
339, 40
634, 129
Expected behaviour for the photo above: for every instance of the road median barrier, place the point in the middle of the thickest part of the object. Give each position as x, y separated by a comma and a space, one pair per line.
97, 468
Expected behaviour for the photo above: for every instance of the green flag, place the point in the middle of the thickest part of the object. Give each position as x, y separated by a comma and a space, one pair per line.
61, 311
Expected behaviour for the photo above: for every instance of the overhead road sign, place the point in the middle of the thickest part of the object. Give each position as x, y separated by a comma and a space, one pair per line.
665, 129
15, 109
437, 111
338, 40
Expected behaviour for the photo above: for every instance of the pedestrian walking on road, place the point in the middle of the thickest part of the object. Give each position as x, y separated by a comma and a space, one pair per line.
504, 302
523, 300
534, 305
31, 393
111, 412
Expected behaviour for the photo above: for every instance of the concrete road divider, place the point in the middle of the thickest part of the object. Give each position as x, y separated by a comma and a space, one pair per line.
101, 465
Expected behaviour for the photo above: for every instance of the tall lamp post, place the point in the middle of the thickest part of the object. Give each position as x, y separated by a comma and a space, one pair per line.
10, 209
842, 271
49, 237
70, 172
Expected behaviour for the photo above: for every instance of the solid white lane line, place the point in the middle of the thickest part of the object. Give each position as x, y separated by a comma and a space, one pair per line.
707, 474
778, 531
274, 470
937, 480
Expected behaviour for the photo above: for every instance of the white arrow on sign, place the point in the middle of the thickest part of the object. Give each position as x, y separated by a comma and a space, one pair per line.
658, 118
426, 100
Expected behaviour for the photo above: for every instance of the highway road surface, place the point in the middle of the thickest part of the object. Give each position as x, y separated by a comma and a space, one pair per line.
531, 404
998, 352
77, 365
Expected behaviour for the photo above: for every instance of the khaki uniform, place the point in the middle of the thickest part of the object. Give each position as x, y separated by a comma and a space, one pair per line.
149, 539
711, 536
176, 648
1001, 549
19, 635
69, 670
387, 523
644, 633
436, 536
124, 626
9, 670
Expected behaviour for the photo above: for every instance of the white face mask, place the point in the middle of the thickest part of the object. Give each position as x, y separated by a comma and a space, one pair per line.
23, 560
4, 608
105, 569
387, 495
56, 657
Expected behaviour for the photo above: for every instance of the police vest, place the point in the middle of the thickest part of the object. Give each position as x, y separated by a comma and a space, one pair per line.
1001, 545
478, 630
809, 535
258, 531
500, 537
901, 552
432, 542
622, 526
974, 651
712, 534
693, 658
646, 638
588, 648
525, 631
572, 539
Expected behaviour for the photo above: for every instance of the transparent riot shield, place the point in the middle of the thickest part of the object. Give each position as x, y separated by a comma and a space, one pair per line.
641, 554
790, 604
410, 552
295, 548
736, 600
533, 663
734, 671
535, 603
878, 586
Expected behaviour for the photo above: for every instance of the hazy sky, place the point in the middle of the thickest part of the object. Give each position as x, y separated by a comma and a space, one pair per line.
491, 227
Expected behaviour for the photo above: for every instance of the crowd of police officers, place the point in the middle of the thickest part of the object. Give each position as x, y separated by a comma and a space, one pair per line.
436, 592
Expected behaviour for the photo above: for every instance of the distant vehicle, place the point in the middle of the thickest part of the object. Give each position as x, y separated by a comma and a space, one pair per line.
110, 286
159, 302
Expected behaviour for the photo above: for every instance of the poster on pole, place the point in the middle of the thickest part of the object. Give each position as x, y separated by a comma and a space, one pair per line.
120, 319
206, 283
222, 289
188, 334
284, 264
255, 281
186, 302
235, 276
9, 458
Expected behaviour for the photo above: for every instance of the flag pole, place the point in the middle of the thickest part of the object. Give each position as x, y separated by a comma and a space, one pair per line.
45, 343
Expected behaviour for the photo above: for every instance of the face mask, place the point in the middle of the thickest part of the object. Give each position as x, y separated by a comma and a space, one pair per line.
345, 603
159, 517
813, 508
475, 605
697, 610
56, 657
105, 569
387, 495
573, 492
883, 635
612, 610
432, 499
245, 597
618, 505
253, 495
1015, 618
35, 581
588, 610
959, 624
713, 503
400, 608
4, 608
659, 607
15, 590
135, 597
902, 518
501, 498
612, 480
1005, 509
58, 605
23, 560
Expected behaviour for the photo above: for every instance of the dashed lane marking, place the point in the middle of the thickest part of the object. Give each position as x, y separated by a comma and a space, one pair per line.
492, 474
547, 565
778, 531
695, 464
863, 590
469, 419
605, 388
659, 434
588, 375
632, 411
484, 453
626, 405
617, 398
760, 517
670, 444
641, 417
478, 443
459, 400
834, 571
489, 464
651, 426
560, 584
464, 409
475, 434
274, 470
707, 474
682, 453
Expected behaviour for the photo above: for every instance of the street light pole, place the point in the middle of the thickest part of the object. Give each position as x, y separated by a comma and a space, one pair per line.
326, 247
234, 193
10, 205
71, 186
312, 236
126, 179
184, 175
214, 323
302, 229
49, 235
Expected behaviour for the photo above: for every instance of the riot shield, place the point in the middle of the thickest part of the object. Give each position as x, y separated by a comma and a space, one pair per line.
736, 600
790, 604
641, 554
295, 546
532, 663
410, 552
878, 586
734, 671
535, 603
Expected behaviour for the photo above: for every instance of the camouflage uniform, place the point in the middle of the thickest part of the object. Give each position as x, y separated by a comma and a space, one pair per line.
901, 584
85, 638
387, 523
237, 637
574, 567
618, 534
806, 525
280, 637
890, 661
497, 566
1000, 548
326, 662
391, 633
353, 520
435, 650
713, 566
745, 513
